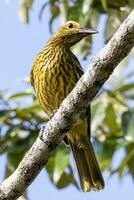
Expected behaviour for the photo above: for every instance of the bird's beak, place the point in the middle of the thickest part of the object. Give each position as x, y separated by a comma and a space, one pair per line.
86, 31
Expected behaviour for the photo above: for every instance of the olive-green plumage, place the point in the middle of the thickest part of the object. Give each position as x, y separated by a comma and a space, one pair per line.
54, 74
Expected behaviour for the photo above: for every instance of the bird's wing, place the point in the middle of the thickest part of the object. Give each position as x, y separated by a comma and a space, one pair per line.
88, 114
88, 110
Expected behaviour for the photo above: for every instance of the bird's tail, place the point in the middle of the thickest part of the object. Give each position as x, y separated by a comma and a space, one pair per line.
88, 168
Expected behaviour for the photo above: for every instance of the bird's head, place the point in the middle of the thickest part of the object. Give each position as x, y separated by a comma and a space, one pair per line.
70, 33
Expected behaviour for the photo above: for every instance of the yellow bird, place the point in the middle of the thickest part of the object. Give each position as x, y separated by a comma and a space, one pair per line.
54, 74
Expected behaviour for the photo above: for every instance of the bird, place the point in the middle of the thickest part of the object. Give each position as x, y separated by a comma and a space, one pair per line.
55, 72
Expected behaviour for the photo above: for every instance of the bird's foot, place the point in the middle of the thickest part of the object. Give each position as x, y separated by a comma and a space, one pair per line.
53, 113
47, 143
41, 133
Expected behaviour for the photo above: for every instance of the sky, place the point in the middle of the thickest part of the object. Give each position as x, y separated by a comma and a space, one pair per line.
19, 45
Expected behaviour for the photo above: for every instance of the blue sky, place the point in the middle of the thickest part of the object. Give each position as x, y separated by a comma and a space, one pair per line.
19, 45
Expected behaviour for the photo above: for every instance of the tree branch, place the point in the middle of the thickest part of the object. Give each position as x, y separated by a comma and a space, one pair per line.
84, 92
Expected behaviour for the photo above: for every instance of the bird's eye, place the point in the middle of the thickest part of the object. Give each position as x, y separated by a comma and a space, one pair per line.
70, 25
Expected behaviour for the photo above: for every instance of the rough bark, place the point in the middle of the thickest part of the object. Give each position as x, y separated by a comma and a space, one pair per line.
86, 89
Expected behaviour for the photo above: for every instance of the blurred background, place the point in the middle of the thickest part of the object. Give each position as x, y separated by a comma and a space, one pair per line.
25, 26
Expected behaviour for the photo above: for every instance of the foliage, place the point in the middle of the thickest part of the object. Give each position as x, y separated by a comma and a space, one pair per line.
111, 130
19, 128
86, 12
112, 111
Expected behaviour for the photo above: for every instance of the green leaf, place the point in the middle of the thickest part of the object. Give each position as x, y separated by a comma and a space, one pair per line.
112, 24
127, 91
115, 18
65, 180
128, 160
21, 94
125, 120
130, 131
17, 150
128, 124
4, 115
125, 88
104, 5
55, 12
7, 138
24, 7
13, 159
89, 19
94, 18
86, 6
111, 120
59, 169
129, 150
98, 115
105, 152
58, 164
27, 110
115, 95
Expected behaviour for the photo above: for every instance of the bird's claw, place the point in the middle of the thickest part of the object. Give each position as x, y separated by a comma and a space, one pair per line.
53, 113
41, 133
